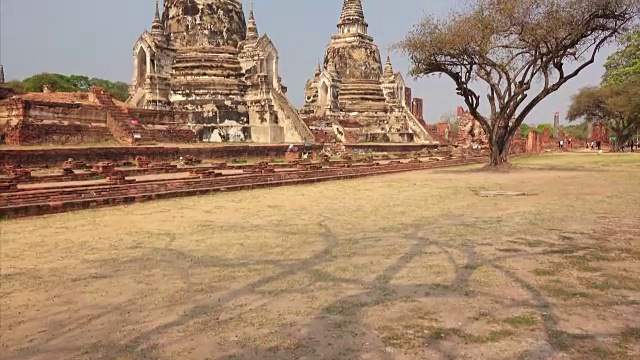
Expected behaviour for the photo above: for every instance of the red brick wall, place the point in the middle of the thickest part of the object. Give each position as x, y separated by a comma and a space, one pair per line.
24, 122
518, 144
534, 142
168, 135
12, 113
444, 131
74, 113
417, 108
31, 133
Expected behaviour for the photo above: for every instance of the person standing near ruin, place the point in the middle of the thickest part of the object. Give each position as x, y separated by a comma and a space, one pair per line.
570, 143
561, 144
599, 144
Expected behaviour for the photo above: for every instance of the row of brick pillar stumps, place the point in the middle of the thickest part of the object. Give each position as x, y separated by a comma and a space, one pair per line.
118, 121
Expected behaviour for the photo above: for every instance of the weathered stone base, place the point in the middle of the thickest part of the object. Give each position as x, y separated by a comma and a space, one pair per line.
390, 148
267, 134
405, 137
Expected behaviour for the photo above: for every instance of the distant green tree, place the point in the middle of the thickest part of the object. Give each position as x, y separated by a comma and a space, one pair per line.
118, 89
62, 83
525, 129
58, 82
577, 131
16, 85
540, 128
81, 82
618, 104
624, 63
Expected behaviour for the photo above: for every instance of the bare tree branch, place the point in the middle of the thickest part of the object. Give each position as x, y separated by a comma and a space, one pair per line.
512, 46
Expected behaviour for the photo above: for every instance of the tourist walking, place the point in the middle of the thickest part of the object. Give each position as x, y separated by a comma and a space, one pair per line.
561, 144
570, 143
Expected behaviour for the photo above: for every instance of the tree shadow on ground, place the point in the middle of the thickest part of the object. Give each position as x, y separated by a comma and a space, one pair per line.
318, 338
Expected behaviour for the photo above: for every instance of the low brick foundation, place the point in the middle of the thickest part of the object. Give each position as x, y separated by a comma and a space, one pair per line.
55, 156
391, 148
57, 200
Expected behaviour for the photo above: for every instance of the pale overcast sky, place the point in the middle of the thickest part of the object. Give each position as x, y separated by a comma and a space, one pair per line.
96, 37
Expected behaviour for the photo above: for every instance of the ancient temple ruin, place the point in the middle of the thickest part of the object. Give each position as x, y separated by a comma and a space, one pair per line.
353, 94
202, 58
470, 135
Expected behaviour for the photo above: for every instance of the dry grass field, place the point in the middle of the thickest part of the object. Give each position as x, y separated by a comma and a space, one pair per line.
405, 266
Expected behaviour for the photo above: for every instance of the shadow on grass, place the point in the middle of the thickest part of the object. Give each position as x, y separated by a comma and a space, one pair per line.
346, 314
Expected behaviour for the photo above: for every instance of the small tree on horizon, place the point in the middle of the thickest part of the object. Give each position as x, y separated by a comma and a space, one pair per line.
512, 47
617, 100
617, 104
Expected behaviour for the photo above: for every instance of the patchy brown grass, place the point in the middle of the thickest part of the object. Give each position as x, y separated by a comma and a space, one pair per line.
407, 266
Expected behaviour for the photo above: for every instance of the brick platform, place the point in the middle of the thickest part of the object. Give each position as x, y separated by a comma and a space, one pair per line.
391, 148
65, 198
53, 157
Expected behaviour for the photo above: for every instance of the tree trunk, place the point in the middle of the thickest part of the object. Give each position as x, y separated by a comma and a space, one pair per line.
499, 151
499, 145
622, 138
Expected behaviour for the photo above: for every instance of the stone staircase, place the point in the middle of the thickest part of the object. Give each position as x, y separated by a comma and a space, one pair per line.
119, 121
292, 117
135, 98
123, 127
421, 134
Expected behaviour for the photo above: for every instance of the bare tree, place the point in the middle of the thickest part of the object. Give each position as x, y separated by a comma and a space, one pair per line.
450, 118
522, 50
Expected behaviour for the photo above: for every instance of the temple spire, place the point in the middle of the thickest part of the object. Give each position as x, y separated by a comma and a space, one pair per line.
1, 74
388, 68
252, 28
157, 28
318, 69
352, 18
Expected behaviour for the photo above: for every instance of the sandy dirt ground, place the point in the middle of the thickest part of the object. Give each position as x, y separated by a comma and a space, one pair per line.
406, 266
